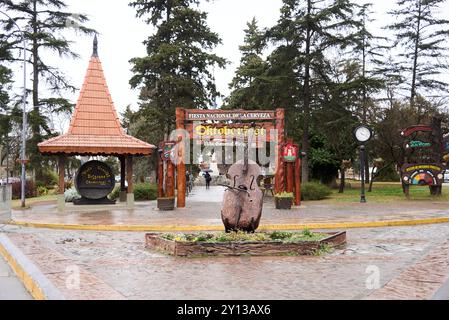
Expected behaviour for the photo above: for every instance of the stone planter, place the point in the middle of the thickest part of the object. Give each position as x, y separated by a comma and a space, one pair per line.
283, 203
166, 203
235, 248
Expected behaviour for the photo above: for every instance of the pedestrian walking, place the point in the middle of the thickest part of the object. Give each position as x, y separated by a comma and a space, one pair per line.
208, 178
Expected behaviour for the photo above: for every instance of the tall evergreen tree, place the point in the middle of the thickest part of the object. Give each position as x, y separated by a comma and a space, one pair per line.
177, 71
421, 38
311, 28
44, 22
249, 85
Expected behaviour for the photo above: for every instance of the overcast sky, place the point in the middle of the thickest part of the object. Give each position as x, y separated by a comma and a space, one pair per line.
122, 34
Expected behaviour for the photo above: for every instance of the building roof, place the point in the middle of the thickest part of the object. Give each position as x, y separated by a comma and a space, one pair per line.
95, 128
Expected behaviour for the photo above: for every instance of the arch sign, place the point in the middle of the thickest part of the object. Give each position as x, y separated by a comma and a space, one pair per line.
230, 128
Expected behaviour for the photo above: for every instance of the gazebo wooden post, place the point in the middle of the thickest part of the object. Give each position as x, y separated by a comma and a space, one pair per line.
129, 177
279, 183
123, 192
61, 182
181, 167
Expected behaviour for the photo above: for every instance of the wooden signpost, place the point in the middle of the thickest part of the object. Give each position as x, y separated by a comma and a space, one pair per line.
427, 169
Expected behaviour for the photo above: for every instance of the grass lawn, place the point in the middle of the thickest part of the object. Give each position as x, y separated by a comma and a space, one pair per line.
386, 192
30, 201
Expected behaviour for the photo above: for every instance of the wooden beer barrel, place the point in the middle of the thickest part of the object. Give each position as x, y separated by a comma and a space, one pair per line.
94, 180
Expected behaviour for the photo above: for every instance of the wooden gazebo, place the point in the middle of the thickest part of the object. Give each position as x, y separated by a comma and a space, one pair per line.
95, 130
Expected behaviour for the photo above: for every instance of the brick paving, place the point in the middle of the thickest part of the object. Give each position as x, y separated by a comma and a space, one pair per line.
116, 265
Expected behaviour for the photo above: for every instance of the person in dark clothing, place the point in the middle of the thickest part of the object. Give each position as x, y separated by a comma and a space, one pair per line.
188, 183
208, 179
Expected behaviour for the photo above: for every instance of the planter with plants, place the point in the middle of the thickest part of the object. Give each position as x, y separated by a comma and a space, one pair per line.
274, 243
166, 203
283, 200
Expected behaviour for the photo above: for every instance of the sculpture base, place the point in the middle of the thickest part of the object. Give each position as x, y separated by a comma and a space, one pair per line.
85, 201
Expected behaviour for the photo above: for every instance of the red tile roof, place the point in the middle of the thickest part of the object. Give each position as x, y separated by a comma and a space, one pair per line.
95, 127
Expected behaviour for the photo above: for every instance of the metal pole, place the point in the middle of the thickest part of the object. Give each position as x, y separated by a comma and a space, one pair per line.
7, 161
362, 174
24, 122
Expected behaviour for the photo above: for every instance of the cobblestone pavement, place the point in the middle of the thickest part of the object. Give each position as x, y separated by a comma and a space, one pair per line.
116, 265
208, 213
10, 287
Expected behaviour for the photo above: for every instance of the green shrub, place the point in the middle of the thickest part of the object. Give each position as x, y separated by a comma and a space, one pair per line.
389, 174
314, 191
142, 192
42, 191
284, 195
114, 194
30, 189
49, 178
71, 194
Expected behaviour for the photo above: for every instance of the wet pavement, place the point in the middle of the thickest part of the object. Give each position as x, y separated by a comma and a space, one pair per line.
116, 265
10, 286
203, 209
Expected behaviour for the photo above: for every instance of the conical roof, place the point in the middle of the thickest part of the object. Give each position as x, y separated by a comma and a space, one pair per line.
95, 127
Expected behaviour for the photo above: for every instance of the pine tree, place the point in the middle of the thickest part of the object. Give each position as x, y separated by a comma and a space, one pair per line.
249, 85
43, 22
311, 28
421, 38
5, 86
177, 71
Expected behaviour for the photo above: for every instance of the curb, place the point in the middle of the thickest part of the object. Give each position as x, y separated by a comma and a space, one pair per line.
267, 227
443, 292
28, 273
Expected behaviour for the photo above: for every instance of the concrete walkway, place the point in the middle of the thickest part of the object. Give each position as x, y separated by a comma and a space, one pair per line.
204, 206
10, 287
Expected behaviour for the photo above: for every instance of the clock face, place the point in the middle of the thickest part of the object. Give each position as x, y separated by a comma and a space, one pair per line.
363, 134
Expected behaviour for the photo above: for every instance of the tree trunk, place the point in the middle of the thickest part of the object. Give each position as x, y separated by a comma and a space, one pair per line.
342, 180
415, 60
35, 126
305, 136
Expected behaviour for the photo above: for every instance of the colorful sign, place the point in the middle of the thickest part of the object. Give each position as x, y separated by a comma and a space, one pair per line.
423, 174
228, 131
194, 115
167, 149
290, 153
418, 144
413, 129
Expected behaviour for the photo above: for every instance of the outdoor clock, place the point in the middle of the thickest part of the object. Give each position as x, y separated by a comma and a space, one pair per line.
363, 133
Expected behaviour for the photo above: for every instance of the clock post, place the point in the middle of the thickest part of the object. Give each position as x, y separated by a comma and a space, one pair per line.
362, 134
362, 173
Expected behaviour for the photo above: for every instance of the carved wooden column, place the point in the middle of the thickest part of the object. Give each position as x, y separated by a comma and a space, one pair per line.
160, 177
170, 180
181, 167
289, 172
129, 178
279, 183
61, 182
298, 180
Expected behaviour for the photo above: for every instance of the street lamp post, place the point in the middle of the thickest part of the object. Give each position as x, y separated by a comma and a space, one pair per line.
24, 122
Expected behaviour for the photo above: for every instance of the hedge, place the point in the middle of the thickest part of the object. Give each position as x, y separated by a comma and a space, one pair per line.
142, 192
314, 191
